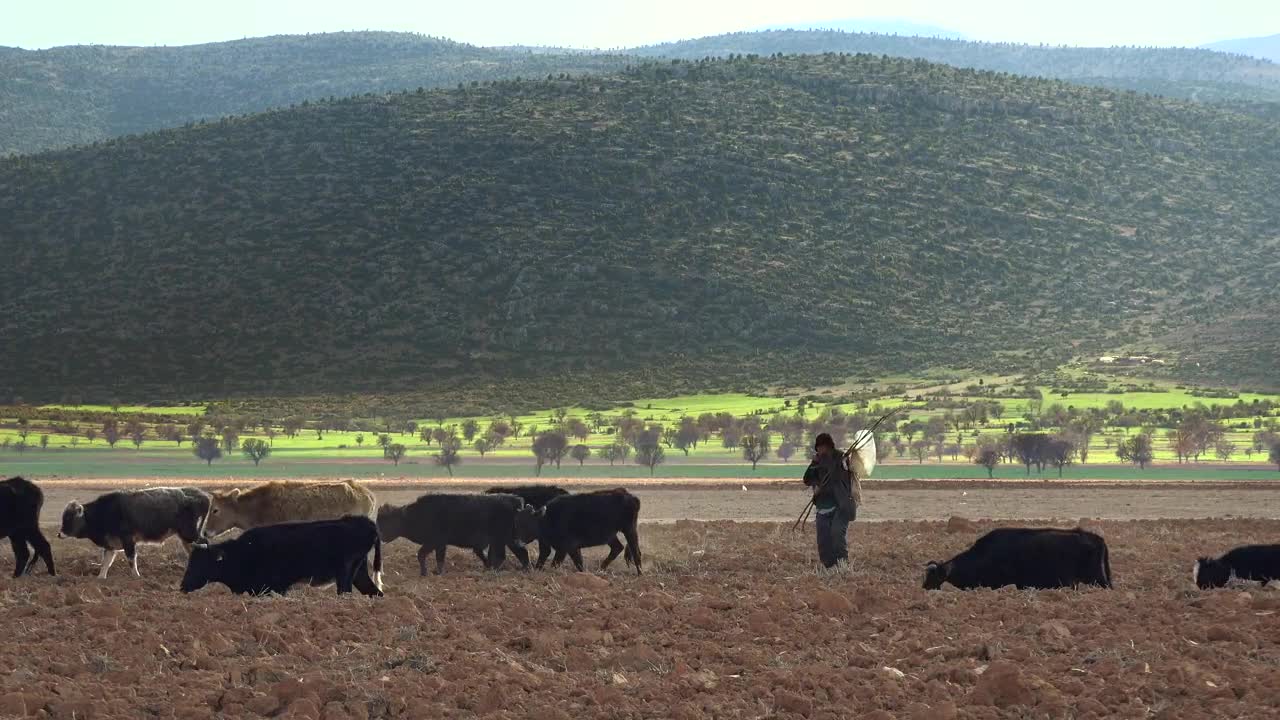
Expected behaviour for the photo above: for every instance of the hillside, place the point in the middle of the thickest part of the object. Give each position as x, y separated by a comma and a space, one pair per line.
883, 26
691, 225
76, 95
79, 95
1267, 48
1201, 75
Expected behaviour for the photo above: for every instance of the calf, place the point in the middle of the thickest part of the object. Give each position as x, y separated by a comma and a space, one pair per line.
274, 558
20, 504
535, 495
572, 522
122, 519
482, 523
1027, 558
1247, 562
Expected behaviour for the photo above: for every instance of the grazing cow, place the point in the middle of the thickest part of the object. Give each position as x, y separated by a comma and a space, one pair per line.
274, 558
1260, 563
1027, 558
572, 522
280, 502
20, 503
123, 519
535, 496
482, 523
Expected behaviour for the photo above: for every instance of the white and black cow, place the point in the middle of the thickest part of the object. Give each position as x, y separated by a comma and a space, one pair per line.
488, 524
572, 522
1027, 558
1260, 563
121, 520
274, 558
20, 503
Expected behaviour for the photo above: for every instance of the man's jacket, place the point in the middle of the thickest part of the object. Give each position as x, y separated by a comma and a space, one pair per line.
832, 484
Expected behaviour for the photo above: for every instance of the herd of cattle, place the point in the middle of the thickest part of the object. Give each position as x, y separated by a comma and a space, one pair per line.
323, 533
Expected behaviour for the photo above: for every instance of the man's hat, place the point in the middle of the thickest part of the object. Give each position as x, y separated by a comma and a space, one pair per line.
824, 439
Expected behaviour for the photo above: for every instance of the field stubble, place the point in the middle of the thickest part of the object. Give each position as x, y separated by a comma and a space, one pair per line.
729, 620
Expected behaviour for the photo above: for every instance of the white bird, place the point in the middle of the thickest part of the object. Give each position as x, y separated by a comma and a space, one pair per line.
744, 488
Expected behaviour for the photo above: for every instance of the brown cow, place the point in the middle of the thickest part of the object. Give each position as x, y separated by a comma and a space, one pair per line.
277, 502
280, 502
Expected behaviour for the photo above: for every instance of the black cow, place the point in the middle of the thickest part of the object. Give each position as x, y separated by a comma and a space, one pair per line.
572, 522
535, 496
1247, 562
1027, 558
122, 519
487, 524
274, 558
20, 503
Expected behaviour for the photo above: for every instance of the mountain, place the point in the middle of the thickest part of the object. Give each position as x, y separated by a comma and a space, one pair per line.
1267, 48
1201, 75
704, 224
79, 95
82, 94
882, 26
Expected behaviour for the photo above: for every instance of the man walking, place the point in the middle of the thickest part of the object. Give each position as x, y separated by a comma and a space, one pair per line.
832, 501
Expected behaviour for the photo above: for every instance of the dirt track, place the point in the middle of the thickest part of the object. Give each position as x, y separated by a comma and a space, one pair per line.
777, 502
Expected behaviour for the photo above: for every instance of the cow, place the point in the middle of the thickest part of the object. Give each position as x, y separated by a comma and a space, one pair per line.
1259, 563
121, 520
1027, 558
280, 502
274, 558
572, 522
488, 524
20, 504
535, 495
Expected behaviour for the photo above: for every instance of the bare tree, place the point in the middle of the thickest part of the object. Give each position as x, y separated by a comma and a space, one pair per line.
111, 432
1224, 449
449, 455
469, 429
785, 451
755, 447
483, 445
988, 457
1060, 452
255, 449
44, 442
649, 453
90, 434
580, 453
920, 450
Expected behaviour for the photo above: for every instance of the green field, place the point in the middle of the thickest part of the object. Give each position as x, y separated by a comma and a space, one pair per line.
356, 453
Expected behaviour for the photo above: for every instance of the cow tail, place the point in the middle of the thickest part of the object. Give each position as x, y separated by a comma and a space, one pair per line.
1106, 567
633, 538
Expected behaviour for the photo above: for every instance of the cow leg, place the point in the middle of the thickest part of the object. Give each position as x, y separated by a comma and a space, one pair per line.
575, 554
131, 554
36, 539
615, 549
497, 555
521, 553
108, 557
343, 576
422, 559
559, 558
440, 551
22, 558
544, 550
363, 583
633, 546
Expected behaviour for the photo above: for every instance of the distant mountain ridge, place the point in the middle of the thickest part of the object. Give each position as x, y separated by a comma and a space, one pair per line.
85, 94
883, 26
698, 225
1267, 47
1195, 74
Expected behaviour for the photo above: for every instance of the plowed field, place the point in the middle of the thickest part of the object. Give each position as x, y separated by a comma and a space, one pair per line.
730, 620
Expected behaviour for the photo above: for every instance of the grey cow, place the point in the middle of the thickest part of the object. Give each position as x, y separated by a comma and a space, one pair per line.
121, 520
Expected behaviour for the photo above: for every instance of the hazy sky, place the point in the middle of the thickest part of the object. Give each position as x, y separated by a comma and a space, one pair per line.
620, 23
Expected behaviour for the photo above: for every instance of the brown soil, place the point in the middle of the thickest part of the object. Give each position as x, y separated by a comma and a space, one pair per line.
730, 620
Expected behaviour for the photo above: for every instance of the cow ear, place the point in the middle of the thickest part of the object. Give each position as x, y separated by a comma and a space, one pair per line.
235, 493
542, 511
933, 565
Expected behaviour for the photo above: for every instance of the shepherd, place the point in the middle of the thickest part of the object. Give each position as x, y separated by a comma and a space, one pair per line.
837, 492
